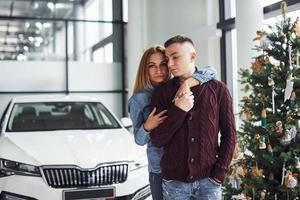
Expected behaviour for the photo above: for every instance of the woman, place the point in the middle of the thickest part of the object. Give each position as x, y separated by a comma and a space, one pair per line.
153, 71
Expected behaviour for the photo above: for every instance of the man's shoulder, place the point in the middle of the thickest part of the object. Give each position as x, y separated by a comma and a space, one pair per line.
215, 84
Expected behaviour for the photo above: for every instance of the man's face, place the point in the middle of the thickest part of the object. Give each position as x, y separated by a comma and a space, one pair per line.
179, 60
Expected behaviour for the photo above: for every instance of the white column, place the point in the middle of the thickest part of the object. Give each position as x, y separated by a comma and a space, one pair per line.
249, 18
135, 43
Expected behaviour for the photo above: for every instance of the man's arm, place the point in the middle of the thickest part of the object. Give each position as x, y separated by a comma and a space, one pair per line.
228, 137
161, 135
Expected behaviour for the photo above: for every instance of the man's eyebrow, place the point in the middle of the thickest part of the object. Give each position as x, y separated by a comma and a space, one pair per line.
172, 54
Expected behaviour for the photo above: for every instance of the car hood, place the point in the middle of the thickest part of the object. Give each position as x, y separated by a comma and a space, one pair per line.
84, 148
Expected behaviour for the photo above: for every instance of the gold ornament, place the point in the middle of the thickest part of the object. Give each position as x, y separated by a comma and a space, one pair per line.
293, 96
263, 117
245, 98
256, 66
247, 88
267, 59
281, 34
296, 29
256, 172
257, 136
289, 118
246, 114
259, 35
290, 181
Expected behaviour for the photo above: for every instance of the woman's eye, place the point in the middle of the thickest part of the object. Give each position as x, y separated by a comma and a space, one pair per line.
151, 66
163, 64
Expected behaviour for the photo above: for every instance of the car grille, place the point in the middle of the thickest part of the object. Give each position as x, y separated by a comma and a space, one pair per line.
66, 177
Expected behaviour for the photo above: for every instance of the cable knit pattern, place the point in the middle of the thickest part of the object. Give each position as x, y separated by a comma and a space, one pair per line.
190, 139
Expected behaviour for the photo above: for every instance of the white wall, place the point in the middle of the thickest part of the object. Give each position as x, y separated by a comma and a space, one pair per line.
51, 76
153, 22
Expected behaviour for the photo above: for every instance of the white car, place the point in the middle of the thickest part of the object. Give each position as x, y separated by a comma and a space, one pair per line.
68, 148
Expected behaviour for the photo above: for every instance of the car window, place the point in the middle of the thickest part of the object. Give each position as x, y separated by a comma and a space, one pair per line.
43, 116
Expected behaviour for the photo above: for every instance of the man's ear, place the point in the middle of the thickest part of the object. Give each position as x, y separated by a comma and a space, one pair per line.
193, 56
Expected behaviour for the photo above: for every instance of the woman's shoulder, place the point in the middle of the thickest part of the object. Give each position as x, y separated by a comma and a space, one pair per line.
140, 97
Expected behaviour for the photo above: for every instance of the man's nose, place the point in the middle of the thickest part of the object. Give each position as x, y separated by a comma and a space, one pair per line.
170, 63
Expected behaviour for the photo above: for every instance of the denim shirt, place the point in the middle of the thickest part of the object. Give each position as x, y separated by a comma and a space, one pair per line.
138, 108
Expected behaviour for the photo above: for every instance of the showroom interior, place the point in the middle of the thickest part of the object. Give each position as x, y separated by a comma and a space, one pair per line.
93, 48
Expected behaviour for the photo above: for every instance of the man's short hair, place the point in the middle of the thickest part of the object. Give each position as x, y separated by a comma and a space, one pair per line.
178, 39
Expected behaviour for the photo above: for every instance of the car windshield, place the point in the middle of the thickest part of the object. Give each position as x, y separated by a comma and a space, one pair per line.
60, 116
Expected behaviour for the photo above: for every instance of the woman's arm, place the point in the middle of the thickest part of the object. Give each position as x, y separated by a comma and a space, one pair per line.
199, 77
141, 128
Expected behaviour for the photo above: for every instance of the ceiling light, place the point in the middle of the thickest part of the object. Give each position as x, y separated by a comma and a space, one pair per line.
35, 5
47, 25
21, 57
37, 44
27, 25
30, 38
39, 25
39, 39
60, 5
51, 5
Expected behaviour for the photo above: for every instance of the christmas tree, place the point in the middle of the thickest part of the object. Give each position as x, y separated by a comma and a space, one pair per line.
268, 165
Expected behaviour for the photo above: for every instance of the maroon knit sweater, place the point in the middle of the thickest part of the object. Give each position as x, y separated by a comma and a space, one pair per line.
190, 139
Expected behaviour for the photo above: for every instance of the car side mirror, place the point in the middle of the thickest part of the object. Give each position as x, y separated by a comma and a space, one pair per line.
127, 123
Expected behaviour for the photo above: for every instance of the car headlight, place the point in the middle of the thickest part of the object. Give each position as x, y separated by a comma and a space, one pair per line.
138, 163
9, 167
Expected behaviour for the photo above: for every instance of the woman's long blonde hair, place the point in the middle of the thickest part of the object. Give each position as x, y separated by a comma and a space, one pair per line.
142, 77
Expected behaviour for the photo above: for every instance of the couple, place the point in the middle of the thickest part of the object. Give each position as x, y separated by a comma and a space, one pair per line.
179, 120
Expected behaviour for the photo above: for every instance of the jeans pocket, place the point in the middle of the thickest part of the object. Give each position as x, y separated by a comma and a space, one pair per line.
210, 180
167, 181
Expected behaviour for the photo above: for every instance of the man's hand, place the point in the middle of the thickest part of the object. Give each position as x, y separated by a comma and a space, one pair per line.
185, 102
154, 120
185, 87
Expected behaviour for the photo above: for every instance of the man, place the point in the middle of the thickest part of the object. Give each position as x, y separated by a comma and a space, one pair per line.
194, 165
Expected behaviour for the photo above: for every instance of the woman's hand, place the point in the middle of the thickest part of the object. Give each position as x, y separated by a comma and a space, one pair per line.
154, 120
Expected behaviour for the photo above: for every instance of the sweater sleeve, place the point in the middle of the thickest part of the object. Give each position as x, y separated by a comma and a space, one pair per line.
205, 74
228, 137
141, 136
161, 135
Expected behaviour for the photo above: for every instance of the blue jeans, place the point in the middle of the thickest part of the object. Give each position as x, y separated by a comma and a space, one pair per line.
202, 189
156, 186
